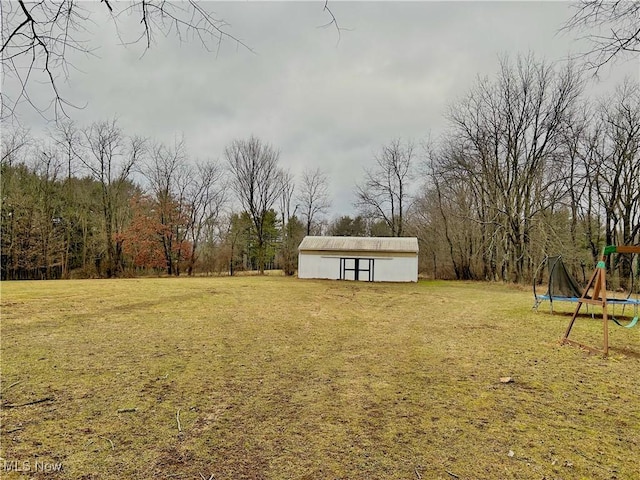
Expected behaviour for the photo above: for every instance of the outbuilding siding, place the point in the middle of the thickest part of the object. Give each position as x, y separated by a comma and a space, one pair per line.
387, 259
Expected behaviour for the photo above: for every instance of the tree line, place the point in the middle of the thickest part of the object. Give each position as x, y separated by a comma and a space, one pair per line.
95, 202
527, 166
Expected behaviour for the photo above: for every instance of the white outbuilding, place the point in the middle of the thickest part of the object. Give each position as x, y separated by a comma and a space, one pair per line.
372, 259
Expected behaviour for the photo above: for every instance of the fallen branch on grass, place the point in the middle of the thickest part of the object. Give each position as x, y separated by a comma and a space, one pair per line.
33, 402
109, 440
13, 385
178, 420
452, 474
127, 410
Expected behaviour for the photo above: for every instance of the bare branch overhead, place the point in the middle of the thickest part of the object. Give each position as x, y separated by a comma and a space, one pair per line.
612, 28
38, 37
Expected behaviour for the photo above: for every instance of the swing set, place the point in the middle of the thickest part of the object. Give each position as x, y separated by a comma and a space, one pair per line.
595, 293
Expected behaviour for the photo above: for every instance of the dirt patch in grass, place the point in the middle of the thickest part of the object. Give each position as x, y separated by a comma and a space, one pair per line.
273, 378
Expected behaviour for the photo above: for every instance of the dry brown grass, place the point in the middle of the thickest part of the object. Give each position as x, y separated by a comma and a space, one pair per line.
278, 378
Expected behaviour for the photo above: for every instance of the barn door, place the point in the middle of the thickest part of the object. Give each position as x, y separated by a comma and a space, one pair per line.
359, 269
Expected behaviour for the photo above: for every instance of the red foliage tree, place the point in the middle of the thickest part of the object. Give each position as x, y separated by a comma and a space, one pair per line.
155, 236
142, 240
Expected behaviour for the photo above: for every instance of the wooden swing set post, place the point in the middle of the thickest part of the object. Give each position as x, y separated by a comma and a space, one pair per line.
598, 282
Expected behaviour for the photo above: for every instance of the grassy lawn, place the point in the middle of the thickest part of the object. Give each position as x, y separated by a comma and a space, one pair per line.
279, 378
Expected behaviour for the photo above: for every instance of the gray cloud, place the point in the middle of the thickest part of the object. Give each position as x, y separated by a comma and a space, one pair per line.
323, 103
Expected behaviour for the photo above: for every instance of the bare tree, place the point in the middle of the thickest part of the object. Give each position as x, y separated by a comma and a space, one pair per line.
109, 158
13, 142
617, 178
287, 190
506, 142
206, 196
257, 182
612, 27
313, 198
169, 175
385, 192
288, 242
454, 213
68, 138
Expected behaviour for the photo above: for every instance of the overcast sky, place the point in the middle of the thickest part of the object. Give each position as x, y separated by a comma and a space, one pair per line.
323, 100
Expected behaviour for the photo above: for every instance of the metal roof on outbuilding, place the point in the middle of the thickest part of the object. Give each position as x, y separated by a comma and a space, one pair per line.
360, 244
